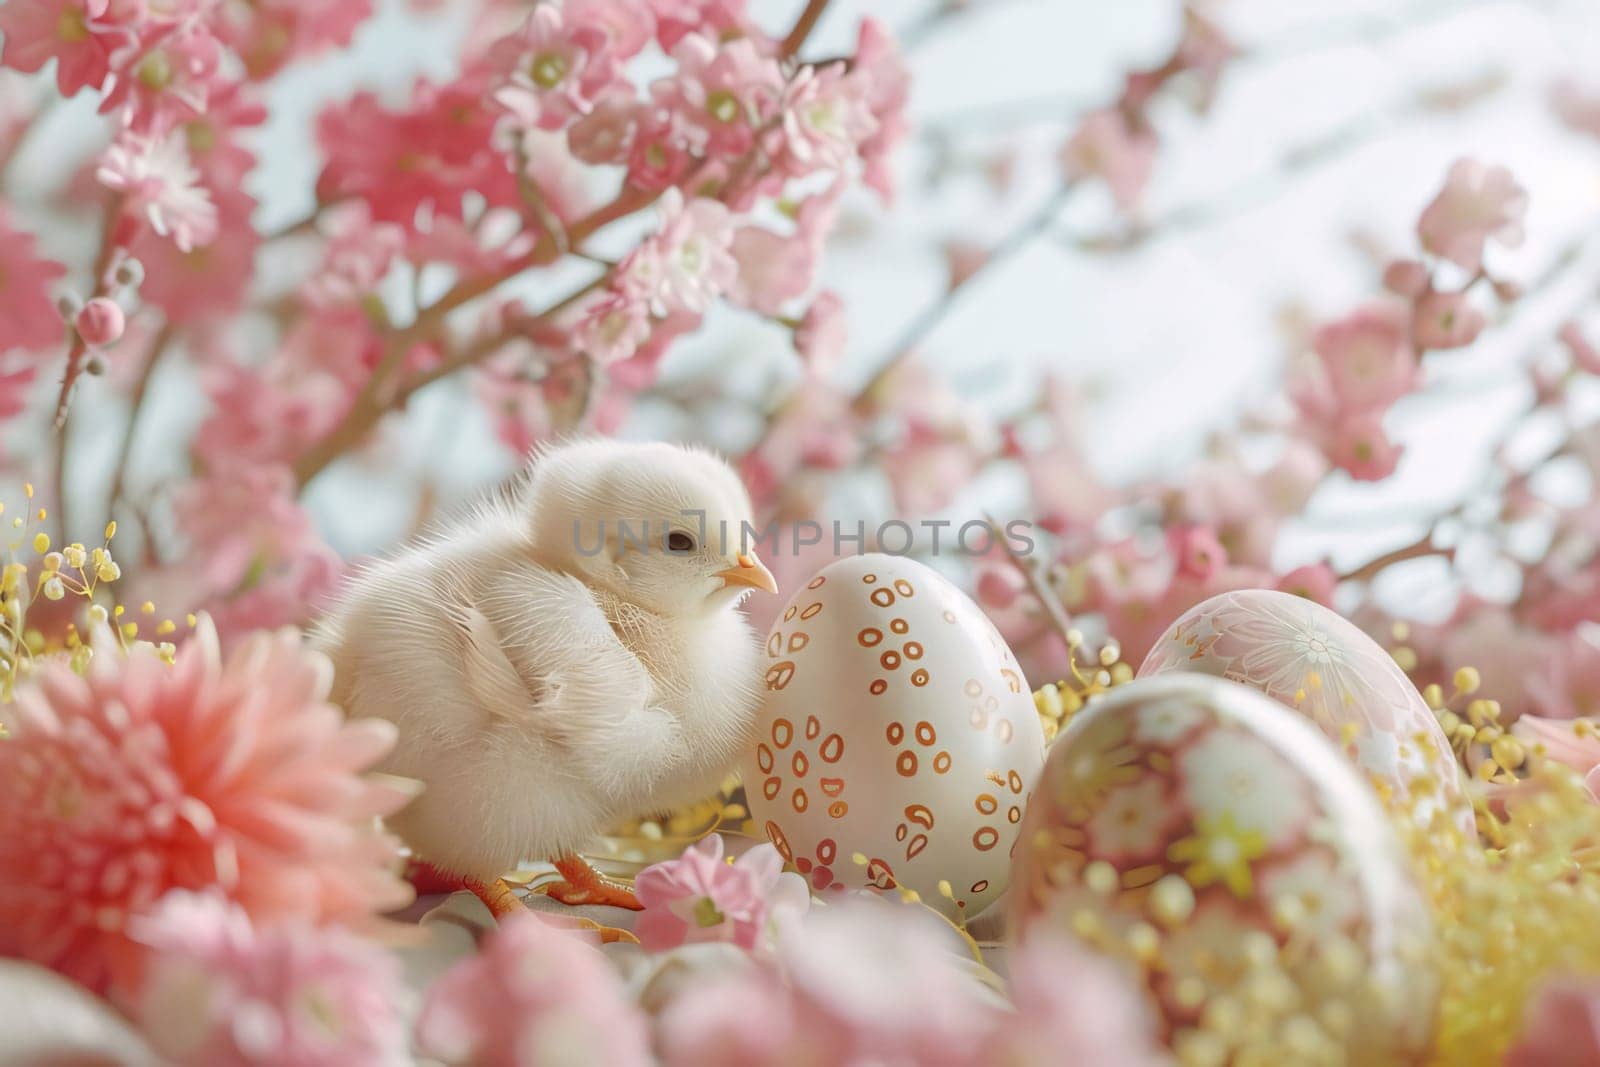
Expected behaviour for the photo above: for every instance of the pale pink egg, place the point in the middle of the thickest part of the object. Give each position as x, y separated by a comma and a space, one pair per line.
1315, 661
1237, 862
897, 728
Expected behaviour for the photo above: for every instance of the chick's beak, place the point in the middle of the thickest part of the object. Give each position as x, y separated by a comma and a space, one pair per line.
750, 571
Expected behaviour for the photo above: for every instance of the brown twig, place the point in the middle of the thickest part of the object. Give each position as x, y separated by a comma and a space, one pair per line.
802, 28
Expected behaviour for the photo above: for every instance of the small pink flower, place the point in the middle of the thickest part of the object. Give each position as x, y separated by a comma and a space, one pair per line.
552, 67
1360, 446
716, 19
726, 91
1445, 320
1584, 355
688, 263
697, 897
1105, 146
1197, 553
821, 336
1368, 360
227, 772
218, 990
888, 89
774, 268
28, 315
100, 322
167, 78
69, 31
1560, 1026
205, 284
613, 329
159, 182
605, 135
826, 117
359, 254
532, 995
239, 517
1476, 204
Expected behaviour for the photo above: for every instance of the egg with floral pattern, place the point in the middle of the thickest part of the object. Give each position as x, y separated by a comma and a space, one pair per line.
1315, 661
1225, 849
897, 741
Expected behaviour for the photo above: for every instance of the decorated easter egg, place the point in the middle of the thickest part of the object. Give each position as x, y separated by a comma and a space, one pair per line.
1314, 660
897, 730
1238, 863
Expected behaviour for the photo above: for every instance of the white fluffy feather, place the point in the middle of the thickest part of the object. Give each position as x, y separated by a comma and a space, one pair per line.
541, 693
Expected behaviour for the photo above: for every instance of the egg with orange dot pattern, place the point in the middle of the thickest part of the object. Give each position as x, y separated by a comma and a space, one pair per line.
897, 742
1221, 847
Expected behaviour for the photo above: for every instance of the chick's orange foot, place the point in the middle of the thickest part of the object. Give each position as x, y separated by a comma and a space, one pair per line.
496, 895
582, 884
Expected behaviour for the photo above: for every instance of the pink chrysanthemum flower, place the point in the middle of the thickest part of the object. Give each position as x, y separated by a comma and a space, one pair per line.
221, 992
140, 778
533, 995
161, 184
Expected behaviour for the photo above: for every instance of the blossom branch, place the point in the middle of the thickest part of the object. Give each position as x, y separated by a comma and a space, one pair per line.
803, 26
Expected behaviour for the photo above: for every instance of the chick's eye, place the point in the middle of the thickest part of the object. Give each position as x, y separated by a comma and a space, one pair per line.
678, 541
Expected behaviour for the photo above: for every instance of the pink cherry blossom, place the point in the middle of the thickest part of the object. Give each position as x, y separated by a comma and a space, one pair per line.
1197, 552
613, 329
1560, 1026
697, 897
1368, 359
238, 516
720, 19
1478, 203
688, 263
220, 991
532, 995
774, 268
552, 67
431, 154
69, 31
660, 149
167, 77
359, 253
888, 89
1315, 581
28, 315
158, 181
1445, 320
1107, 146
605, 135
823, 332
100, 321
725, 91
1359, 445
826, 117
207, 283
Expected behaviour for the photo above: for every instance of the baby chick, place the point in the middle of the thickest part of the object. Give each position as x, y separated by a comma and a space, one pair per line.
565, 657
